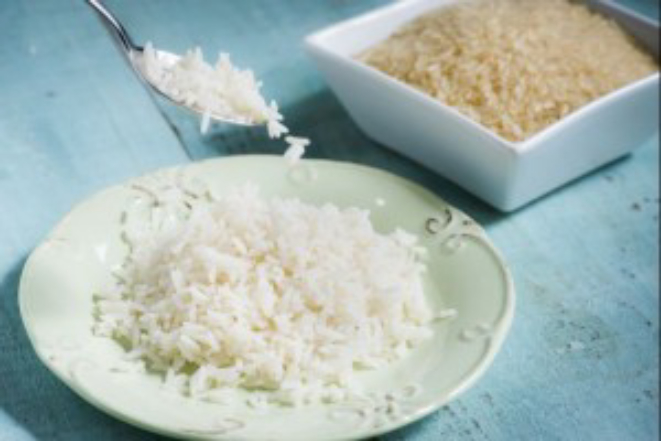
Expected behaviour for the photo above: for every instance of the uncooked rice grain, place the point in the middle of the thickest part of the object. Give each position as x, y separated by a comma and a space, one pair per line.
515, 66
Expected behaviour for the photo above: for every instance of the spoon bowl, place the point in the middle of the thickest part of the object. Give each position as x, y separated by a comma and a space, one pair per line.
168, 59
134, 55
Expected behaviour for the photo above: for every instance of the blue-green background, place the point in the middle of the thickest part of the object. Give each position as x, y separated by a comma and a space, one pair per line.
73, 119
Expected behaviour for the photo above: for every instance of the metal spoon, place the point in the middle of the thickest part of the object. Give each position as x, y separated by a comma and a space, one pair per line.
133, 54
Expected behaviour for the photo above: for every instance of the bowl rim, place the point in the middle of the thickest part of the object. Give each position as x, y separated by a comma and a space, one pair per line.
318, 41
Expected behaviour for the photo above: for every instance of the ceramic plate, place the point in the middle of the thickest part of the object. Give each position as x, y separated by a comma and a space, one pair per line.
465, 272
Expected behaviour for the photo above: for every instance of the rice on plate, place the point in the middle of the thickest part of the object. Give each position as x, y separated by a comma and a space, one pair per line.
266, 294
270, 295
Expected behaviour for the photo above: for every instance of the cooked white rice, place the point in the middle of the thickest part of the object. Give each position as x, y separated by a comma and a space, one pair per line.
275, 294
220, 91
296, 149
223, 91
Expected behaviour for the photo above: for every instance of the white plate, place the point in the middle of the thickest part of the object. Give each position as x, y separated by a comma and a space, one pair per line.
465, 273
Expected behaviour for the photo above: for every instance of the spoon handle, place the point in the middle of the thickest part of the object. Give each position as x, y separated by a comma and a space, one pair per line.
114, 25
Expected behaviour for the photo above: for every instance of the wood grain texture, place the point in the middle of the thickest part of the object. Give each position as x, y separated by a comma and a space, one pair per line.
581, 362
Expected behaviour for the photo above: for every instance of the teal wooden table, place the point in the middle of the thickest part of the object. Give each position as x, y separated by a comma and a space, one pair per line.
582, 360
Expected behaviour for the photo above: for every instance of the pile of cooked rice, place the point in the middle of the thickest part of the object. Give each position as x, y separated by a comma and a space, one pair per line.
515, 66
269, 294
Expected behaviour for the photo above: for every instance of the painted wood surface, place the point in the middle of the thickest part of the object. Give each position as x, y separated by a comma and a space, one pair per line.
581, 362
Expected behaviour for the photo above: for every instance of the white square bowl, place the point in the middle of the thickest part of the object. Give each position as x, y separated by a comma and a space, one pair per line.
505, 174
